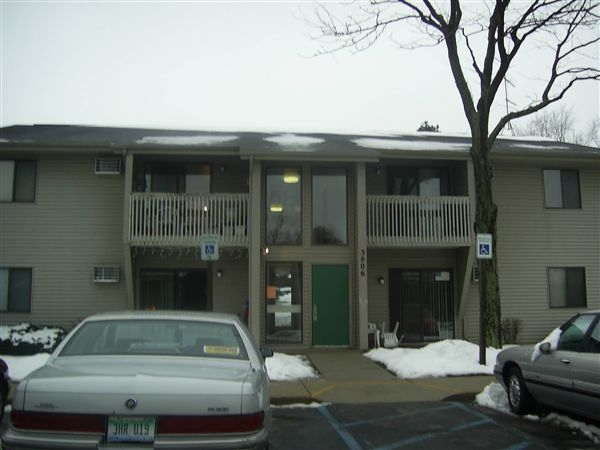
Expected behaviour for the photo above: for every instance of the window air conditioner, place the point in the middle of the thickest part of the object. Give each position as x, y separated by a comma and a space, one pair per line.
106, 274
108, 166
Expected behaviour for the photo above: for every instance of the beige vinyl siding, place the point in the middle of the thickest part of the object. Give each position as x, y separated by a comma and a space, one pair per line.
533, 238
76, 223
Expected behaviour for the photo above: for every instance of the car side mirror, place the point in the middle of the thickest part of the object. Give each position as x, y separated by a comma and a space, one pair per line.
546, 348
266, 352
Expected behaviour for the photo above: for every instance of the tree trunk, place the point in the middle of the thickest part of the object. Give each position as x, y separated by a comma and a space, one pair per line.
486, 213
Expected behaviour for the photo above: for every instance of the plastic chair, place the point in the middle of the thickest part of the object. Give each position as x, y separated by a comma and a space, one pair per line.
390, 338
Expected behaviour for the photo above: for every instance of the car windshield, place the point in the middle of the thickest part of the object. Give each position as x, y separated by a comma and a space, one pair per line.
156, 337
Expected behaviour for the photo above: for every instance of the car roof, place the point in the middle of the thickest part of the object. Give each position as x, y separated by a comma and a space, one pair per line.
164, 315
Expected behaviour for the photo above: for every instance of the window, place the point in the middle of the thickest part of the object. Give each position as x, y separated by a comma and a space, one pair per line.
15, 290
573, 334
17, 181
175, 289
567, 287
423, 181
329, 207
190, 178
561, 189
283, 205
284, 302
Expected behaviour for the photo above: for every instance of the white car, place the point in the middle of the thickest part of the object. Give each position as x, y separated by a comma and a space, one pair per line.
562, 372
147, 380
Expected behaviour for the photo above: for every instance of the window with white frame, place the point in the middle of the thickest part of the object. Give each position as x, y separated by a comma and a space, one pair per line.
561, 189
15, 290
17, 180
566, 286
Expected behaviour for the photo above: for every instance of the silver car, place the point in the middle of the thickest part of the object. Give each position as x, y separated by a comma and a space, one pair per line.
562, 372
147, 380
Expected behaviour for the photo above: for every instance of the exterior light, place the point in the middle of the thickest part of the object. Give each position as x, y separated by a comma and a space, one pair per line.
291, 178
219, 273
381, 281
276, 207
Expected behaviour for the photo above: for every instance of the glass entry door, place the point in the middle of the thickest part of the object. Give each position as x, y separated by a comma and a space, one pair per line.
178, 289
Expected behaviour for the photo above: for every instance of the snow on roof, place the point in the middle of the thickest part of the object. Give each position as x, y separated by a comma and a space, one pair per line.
411, 145
200, 139
291, 142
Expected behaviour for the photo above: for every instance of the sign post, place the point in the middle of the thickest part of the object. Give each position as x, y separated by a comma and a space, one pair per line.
484, 252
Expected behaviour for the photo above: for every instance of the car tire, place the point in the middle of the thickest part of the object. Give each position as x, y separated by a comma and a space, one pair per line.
520, 400
3, 399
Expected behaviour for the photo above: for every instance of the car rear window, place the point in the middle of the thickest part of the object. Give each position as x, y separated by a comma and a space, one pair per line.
156, 337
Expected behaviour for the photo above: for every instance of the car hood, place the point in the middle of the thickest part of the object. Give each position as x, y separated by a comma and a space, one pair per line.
159, 385
517, 353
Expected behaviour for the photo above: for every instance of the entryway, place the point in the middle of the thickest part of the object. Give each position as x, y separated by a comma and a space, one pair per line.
422, 301
179, 289
330, 308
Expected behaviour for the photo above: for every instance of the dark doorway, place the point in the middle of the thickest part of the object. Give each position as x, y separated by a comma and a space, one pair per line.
422, 302
178, 289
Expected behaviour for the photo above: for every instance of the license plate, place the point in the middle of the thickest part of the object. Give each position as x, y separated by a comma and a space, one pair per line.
130, 429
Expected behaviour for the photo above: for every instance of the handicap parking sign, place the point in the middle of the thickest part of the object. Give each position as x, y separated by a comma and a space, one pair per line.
484, 246
209, 247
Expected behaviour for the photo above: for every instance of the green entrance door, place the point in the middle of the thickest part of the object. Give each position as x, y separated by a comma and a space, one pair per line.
330, 305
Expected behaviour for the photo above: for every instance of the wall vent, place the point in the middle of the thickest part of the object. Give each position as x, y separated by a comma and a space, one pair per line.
475, 274
106, 274
108, 166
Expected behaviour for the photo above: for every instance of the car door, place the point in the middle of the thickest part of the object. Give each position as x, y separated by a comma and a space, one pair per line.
585, 369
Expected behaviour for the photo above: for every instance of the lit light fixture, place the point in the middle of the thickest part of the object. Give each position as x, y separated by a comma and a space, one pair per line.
219, 273
205, 208
276, 207
266, 251
291, 178
381, 281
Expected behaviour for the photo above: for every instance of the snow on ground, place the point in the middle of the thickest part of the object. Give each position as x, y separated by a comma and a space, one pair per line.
282, 367
439, 359
21, 366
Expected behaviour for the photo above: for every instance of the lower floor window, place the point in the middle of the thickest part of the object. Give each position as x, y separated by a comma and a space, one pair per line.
566, 286
175, 289
15, 290
284, 302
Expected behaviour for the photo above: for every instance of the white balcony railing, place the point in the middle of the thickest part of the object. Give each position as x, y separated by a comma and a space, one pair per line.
411, 221
160, 219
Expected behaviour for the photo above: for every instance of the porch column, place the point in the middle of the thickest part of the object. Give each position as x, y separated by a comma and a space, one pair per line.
254, 251
127, 264
361, 256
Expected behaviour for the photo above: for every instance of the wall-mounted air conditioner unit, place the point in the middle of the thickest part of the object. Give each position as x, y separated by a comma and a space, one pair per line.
107, 166
106, 274
475, 274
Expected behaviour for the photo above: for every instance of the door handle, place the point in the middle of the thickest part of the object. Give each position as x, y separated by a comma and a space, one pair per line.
565, 361
315, 313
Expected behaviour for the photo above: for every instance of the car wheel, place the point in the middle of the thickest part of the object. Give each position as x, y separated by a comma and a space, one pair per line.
519, 399
3, 395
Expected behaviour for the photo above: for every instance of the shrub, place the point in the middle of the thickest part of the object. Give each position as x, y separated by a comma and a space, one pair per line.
510, 330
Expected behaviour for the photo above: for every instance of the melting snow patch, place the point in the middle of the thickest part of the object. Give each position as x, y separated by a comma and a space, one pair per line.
282, 367
186, 140
293, 140
552, 338
397, 144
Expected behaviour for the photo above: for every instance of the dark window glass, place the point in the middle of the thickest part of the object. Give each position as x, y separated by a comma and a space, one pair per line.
17, 181
593, 344
283, 206
175, 289
15, 290
423, 181
190, 178
561, 189
284, 302
567, 287
329, 207
572, 335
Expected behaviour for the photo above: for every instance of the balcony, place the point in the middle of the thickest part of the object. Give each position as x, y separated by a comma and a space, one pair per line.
180, 220
411, 221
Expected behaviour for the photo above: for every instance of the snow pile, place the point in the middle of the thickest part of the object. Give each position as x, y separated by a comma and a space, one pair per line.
494, 396
44, 337
21, 366
282, 367
439, 359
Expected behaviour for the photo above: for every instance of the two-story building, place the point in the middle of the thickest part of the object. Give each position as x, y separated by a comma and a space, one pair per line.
312, 236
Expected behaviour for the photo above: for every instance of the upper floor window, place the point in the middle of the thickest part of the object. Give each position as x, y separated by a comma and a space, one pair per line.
566, 286
423, 181
17, 181
561, 189
283, 206
329, 207
15, 290
190, 178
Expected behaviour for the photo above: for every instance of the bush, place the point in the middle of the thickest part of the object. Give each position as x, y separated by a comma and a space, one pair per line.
27, 339
510, 330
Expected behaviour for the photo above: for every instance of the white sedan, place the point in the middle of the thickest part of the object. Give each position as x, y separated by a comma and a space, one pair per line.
147, 380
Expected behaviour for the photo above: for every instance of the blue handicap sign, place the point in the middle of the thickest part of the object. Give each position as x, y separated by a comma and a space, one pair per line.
209, 249
484, 249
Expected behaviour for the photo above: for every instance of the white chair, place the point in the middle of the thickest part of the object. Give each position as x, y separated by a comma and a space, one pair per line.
372, 329
390, 338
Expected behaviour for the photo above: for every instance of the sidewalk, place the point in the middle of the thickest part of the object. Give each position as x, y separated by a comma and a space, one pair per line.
346, 376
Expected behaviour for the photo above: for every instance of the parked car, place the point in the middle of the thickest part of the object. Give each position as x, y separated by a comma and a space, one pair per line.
4, 387
147, 379
562, 372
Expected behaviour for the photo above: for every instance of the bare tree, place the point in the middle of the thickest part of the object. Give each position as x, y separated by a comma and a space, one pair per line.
485, 43
557, 125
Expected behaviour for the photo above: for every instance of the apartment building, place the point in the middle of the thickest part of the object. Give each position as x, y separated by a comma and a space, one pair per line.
310, 237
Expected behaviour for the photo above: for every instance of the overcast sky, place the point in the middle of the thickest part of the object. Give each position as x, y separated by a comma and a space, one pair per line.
219, 66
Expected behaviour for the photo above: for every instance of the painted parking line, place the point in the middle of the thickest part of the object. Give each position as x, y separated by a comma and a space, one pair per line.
342, 429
